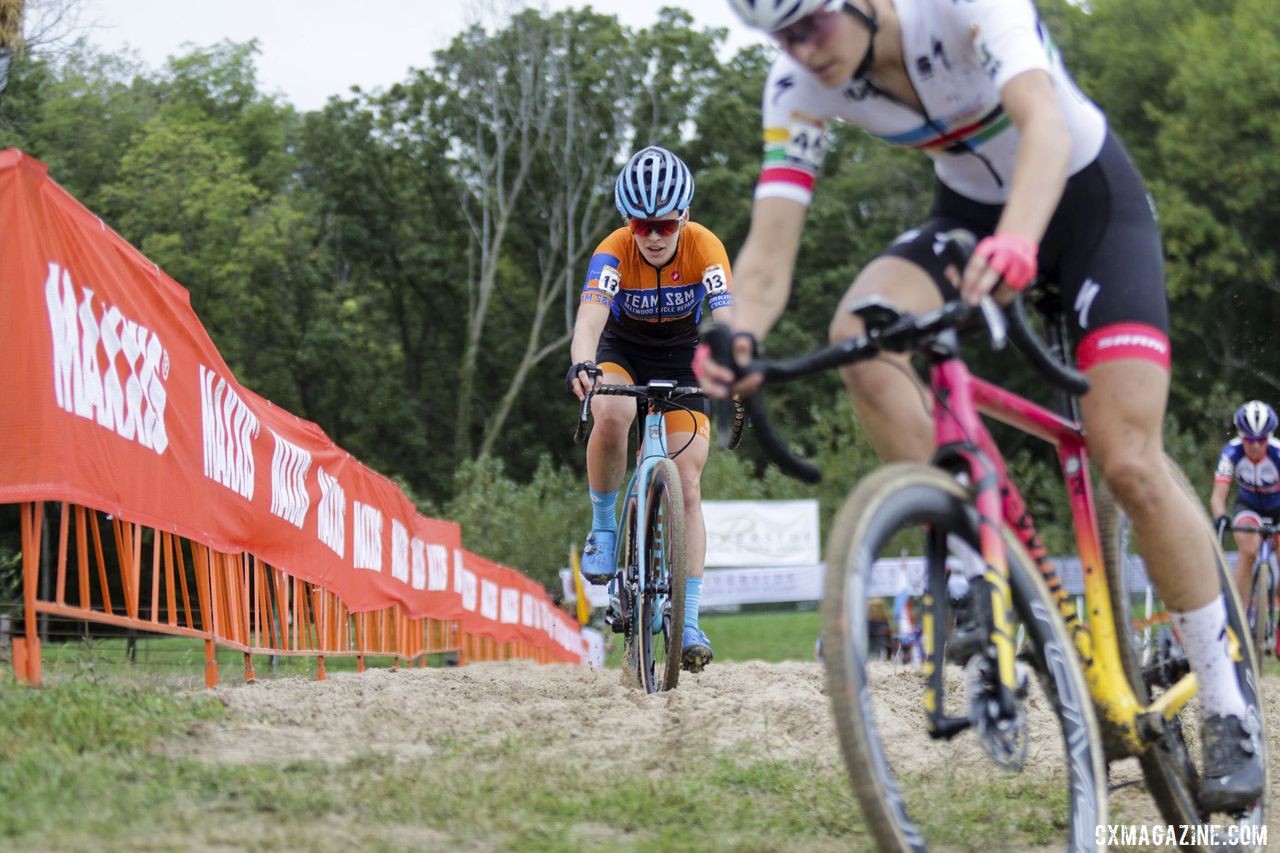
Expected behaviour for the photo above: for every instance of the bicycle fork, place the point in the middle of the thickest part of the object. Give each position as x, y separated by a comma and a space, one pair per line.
956, 425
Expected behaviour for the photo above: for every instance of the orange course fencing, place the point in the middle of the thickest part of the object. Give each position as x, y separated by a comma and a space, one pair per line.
226, 518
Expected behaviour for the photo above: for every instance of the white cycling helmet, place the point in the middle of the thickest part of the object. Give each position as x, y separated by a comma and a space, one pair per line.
1255, 419
653, 183
773, 15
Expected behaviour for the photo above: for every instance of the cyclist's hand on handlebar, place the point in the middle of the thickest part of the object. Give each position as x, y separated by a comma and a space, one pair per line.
720, 380
1004, 258
1221, 525
582, 377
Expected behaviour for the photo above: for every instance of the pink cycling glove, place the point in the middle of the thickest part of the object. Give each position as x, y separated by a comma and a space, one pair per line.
1012, 256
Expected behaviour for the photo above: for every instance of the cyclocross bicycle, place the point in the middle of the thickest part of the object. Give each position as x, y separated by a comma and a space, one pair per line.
965, 502
1263, 580
649, 584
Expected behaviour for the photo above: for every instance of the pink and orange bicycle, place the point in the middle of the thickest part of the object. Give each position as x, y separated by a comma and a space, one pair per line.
914, 782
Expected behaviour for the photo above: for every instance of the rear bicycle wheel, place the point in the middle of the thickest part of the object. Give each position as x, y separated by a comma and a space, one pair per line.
661, 603
905, 781
1153, 660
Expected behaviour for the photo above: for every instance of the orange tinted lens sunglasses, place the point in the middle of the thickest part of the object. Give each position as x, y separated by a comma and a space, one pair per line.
661, 227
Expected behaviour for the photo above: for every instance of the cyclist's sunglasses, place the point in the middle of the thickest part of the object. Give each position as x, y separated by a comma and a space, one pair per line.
811, 29
661, 227
1263, 440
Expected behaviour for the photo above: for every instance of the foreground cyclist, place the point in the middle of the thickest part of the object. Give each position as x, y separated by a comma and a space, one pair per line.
1026, 162
638, 320
1252, 459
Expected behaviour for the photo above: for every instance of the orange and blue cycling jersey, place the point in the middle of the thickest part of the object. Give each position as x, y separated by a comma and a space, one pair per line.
650, 304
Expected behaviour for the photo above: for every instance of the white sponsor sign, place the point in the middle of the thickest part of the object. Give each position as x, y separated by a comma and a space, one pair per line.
761, 533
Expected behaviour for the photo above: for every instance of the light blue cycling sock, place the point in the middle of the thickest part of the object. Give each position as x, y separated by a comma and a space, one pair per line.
692, 598
603, 505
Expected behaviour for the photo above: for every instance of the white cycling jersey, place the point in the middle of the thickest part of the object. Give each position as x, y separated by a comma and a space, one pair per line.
959, 54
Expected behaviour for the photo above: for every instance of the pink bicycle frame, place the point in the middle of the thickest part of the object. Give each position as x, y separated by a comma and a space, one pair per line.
959, 429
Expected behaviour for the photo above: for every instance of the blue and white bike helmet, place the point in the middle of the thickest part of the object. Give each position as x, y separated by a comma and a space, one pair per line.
774, 15
1255, 419
653, 183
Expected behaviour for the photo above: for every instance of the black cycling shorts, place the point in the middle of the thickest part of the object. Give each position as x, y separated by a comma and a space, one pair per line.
1101, 252
643, 362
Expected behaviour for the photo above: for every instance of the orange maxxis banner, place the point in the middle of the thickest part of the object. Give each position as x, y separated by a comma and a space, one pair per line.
115, 398
501, 603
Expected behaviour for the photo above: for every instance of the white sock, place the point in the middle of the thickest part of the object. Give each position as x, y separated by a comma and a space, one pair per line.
1204, 638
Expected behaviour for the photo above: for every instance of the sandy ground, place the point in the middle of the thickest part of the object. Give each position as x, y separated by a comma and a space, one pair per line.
754, 711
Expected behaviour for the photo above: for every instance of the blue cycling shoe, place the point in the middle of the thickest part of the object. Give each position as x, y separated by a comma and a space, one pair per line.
697, 649
597, 557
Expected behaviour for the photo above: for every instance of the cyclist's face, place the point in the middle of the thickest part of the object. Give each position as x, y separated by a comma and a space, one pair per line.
829, 43
656, 238
1255, 448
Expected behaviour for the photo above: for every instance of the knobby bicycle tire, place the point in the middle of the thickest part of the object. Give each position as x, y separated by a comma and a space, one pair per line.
907, 497
736, 425
1167, 765
660, 650
628, 562
1261, 608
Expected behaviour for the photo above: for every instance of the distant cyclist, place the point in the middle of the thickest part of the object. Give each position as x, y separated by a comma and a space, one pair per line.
638, 320
1027, 164
1251, 459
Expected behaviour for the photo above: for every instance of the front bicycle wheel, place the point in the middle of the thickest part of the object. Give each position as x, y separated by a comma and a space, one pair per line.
914, 790
660, 613
1153, 660
1259, 608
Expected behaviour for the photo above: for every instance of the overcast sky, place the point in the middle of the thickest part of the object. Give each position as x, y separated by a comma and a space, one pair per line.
311, 49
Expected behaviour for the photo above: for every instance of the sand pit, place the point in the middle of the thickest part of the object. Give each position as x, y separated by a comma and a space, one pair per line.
750, 711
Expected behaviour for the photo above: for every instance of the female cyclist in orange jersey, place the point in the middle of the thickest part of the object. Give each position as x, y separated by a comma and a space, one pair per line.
638, 320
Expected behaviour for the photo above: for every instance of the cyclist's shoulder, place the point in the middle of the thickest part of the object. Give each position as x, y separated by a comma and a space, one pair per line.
701, 236
615, 243
702, 246
791, 88
1232, 450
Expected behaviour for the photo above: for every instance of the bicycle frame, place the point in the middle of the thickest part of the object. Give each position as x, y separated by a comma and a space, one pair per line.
1266, 551
651, 448
960, 434
1265, 561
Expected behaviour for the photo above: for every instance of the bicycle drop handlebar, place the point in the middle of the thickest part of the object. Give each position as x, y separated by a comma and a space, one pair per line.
657, 389
888, 330
1266, 530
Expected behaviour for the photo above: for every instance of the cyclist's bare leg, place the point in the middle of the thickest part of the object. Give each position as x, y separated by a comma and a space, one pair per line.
690, 463
1123, 417
607, 445
891, 404
1247, 544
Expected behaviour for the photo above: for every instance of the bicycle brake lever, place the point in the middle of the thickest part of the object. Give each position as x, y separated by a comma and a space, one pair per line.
720, 341
584, 414
997, 325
